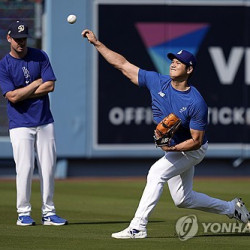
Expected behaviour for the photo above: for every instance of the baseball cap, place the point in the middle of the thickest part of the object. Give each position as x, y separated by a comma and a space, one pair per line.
18, 29
184, 56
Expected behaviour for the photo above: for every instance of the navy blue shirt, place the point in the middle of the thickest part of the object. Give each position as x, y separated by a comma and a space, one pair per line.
188, 105
17, 73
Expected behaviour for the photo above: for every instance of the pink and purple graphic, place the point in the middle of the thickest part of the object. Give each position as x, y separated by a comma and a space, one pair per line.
162, 38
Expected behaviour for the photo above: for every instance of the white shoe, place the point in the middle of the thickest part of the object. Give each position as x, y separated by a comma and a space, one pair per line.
129, 233
240, 213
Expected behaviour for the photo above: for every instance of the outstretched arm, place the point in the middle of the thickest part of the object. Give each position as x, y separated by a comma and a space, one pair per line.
115, 59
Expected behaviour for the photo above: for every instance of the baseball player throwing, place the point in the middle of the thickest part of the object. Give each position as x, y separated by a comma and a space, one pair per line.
26, 78
172, 93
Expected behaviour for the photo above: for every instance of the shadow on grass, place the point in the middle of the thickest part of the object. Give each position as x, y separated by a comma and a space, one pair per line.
205, 235
224, 235
106, 222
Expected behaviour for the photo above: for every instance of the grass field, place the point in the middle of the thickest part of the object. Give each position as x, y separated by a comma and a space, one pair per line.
96, 208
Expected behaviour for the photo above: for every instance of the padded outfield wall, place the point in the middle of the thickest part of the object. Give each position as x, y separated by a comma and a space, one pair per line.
99, 113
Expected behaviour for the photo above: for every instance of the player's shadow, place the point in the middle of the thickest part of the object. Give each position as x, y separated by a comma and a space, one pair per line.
105, 222
224, 235
204, 236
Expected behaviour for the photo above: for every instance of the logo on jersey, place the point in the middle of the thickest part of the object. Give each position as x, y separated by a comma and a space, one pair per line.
163, 38
26, 74
161, 94
183, 109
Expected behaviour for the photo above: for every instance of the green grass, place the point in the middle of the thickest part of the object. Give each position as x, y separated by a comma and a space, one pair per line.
95, 209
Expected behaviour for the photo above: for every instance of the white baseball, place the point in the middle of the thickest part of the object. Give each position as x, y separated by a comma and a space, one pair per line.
71, 19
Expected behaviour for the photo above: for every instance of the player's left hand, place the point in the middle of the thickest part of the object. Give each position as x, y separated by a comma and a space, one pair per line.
166, 129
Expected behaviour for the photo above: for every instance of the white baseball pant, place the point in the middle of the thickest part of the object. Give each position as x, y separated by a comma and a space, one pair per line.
177, 169
28, 143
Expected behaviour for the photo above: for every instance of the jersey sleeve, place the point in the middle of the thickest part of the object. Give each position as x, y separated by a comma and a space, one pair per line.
47, 72
147, 78
199, 116
6, 83
152, 80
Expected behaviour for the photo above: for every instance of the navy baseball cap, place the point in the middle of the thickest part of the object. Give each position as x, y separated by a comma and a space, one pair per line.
184, 56
18, 29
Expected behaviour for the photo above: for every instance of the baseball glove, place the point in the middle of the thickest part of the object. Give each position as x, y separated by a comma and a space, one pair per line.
165, 130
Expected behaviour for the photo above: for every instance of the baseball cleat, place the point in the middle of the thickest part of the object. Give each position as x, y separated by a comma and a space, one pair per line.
241, 213
129, 233
25, 221
54, 220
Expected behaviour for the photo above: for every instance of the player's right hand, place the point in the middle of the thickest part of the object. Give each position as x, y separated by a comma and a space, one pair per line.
89, 35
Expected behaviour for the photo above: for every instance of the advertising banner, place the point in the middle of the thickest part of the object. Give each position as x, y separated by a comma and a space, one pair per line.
144, 33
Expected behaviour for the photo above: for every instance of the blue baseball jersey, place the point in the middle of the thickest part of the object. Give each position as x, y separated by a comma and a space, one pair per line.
188, 105
17, 73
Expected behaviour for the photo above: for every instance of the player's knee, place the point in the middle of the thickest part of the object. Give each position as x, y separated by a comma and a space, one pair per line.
182, 203
178, 203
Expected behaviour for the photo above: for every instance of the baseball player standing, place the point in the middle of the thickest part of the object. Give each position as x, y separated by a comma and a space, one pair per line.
172, 94
26, 78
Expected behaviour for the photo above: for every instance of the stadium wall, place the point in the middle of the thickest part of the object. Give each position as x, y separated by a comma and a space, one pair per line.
100, 115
